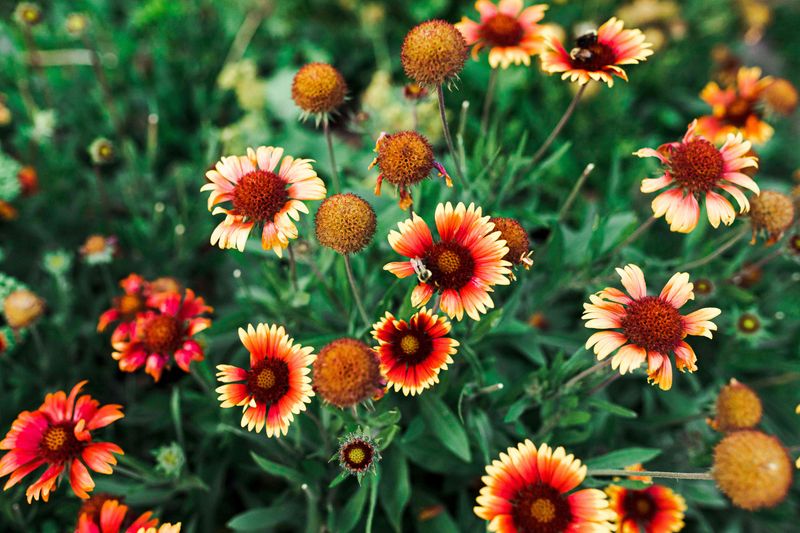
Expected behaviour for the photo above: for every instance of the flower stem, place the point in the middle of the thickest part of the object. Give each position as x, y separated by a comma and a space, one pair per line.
574, 192
716, 253
105, 88
561, 123
589, 371
334, 170
609, 472
487, 101
447, 138
638, 232
354, 289
292, 267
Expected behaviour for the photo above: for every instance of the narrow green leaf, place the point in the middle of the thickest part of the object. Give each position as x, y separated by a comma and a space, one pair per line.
264, 517
612, 408
622, 458
445, 426
395, 487
575, 418
275, 469
351, 514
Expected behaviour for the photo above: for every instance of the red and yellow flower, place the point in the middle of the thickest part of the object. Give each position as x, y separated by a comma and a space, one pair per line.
58, 435
512, 33
695, 169
656, 509
413, 353
162, 333
597, 55
737, 109
530, 489
106, 514
126, 307
651, 327
462, 265
275, 387
261, 194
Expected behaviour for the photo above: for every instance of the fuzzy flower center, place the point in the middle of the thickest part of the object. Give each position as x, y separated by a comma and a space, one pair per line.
541, 508
653, 324
59, 442
639, 506
451, 265
260, 195
502, 30
162, 334
590, 54
357, 455
415, 347
697, 165
405, 158
409, 344
268, 381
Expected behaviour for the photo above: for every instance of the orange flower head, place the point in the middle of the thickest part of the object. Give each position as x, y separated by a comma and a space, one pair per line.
772, 213
530, 489
433, 52
649, 328
276, 385
656, 509
347, 372
413, 353
22, 308
512, 33
781, 96
695, 169
597, 55
107, 514
318, 89
737, 109
58, 435
404, 159
262, 195
462, 265
345, 222
519, 247
738, 407
134, 300
162, 333
753, 469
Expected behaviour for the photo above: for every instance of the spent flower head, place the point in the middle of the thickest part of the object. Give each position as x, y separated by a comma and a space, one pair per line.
433, 53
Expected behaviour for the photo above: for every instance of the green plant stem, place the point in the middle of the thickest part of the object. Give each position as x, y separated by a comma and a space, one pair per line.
638, 232
105, 88
589, 371
292, 267
575, 190
610, 472
356, 297
447, 138
561, 123
334, 171
716, 253
487, 101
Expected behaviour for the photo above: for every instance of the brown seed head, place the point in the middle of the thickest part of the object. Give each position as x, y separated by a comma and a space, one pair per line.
22, 308
738, 407
347, 372
753, 469
772, 212
345, 223
404, 158
433, 52
318, 88
516, 239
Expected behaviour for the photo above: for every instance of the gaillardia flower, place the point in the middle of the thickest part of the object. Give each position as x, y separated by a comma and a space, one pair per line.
162, 333
771, 213
262, 195
126, 307
106, 514
736, 110
357, 454
656, 509
345, 223
532, 490
510, 31
275, 387
347, 372
738, 407
462, 265
413, 353
597, 55
318, 89
651, 326
99, 249
433, 52
22, 308
753, 469
695, 169
519, 246
59, 435
404, 159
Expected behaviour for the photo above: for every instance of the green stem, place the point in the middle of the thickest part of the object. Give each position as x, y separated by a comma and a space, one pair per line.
716, 253
334, 171
561, 123
356, 297
487, 101
638, 232
610, 472
447, 138
591, 370
292, 267
574, 192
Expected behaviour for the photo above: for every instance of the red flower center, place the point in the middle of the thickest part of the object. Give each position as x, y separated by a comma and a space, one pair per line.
162, 334
268, 381
696, 165
590, 54
59, 443
639, 506
540, 508
357, 455
502, 30
653, 324
451, 265
260, 195
414, 347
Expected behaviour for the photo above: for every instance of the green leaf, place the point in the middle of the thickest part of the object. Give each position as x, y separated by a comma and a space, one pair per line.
395, 487
264, 517
575, 418
338, 479
612, 408
351, 514
445, 426
624, 457
517, 408
285, 472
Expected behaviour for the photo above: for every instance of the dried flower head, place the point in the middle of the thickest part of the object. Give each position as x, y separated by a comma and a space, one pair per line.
22, 308
519, 247
357, 454
345, 223
738, 407
347, 372
753, 469
318, 89
28, 14
772, 213
433, 52
102, 151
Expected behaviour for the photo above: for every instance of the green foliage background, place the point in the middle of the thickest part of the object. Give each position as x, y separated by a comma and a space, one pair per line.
164, 57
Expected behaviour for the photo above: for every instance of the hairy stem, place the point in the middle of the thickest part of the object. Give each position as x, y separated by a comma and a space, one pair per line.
610, 472
334, 170
447, 138
354, 289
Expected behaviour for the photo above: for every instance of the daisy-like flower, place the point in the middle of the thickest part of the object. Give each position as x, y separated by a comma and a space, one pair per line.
510, 31
530, 489
106, 514
462, 265
656, 509
262, 194
737, 109
651, 327
413, 353
357, 454
695, 169
58, 435
162, 333
134, 300
597, 55
275, 387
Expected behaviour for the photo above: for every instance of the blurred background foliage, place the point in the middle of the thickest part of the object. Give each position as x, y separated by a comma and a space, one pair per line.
188, 81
